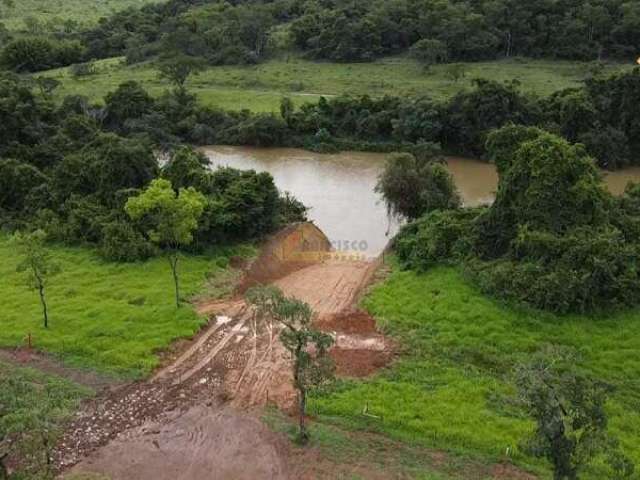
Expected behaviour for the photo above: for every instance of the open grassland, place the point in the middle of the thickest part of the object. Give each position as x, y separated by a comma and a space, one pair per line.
37, 402
107, 316
86, 12
451, 387
261, 87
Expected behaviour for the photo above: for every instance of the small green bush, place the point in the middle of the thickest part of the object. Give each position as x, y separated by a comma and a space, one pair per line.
123, 243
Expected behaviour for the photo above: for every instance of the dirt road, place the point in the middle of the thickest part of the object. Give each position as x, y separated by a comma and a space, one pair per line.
185, 423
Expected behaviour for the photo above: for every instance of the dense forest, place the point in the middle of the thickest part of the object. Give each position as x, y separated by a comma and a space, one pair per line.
250, 31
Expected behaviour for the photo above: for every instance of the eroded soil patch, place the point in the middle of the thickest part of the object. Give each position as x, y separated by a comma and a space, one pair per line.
201, 443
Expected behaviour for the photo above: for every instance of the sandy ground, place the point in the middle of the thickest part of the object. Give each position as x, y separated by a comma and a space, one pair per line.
202, 443
329, 287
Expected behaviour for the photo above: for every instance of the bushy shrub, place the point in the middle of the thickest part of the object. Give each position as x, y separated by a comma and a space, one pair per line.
581, 271
440, 236
35, 54
121, 242
291, 210
412, 187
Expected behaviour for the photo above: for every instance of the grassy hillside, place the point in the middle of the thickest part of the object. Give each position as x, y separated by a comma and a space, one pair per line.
450, 387
108, 316
260, 87
84, 11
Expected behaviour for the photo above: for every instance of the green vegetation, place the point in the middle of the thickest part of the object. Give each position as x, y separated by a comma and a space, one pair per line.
36, 265
171, 218
252, 31
33, 407
260, 88
554, 238
413, 186
21, 15
107, 316
452, 385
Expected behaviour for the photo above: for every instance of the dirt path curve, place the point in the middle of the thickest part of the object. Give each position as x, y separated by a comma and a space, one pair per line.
180, 424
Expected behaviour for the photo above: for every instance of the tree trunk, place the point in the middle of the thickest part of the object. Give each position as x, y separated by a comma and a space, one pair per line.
173, 261
304, 436
44, 305
302, 395
4, 474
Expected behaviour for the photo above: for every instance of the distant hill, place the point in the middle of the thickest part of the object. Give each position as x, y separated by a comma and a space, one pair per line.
85, 12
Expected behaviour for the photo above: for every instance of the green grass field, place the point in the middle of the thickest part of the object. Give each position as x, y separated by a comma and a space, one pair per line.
261, 87
111, 317
34, 403
84, 11
450, 388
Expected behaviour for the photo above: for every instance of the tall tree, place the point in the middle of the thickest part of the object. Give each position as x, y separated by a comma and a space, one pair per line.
177, 70
571, 420
172, 218
413, 186
300, 338
37, 265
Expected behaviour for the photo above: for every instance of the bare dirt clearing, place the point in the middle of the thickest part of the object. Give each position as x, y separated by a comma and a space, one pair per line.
204, 442
175, 426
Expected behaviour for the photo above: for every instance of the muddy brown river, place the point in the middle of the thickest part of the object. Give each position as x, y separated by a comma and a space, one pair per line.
339, 188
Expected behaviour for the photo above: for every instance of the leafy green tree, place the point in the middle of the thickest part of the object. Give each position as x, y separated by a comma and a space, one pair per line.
186, 168
177, 70
37, 265
108, 164
309, 348
471, 115
17, 182
572, 110
25, 119
571, 420
172, 218
129, 101
28, 54
287, 110
503, 143
430, 52
412, 187
546, 164
609, 146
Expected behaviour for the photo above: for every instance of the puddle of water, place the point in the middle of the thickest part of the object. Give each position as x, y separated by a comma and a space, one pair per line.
339, 188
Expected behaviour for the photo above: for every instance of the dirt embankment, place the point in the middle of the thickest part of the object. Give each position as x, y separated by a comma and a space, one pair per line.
293, 248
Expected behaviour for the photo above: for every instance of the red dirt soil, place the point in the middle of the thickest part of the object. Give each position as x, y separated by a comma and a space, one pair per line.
354, 322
